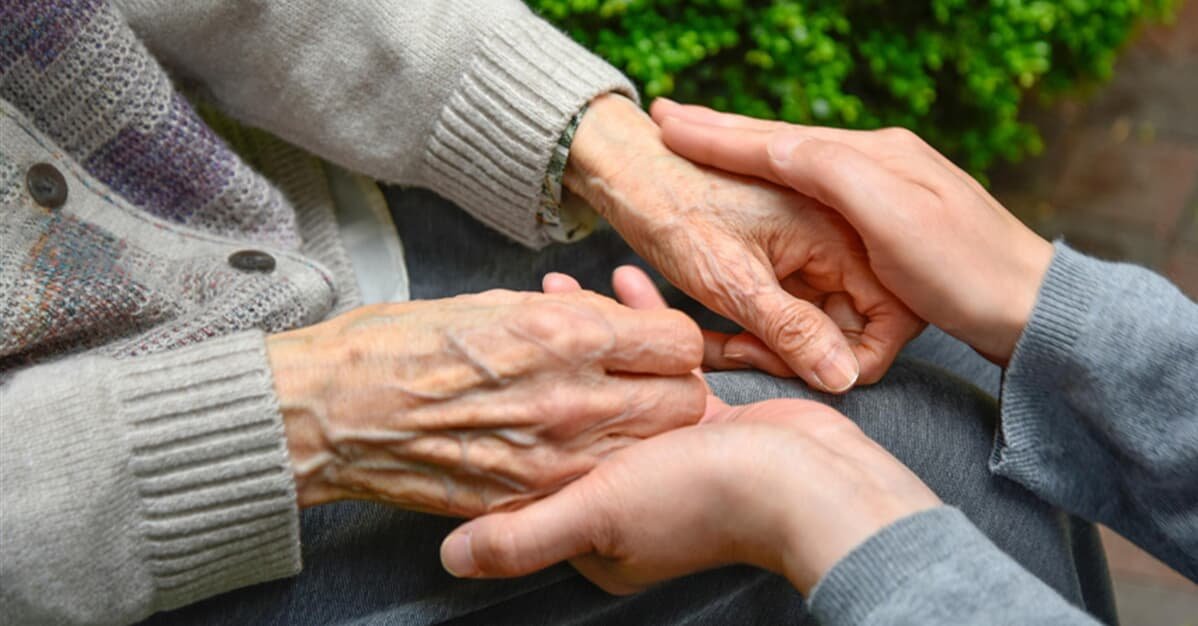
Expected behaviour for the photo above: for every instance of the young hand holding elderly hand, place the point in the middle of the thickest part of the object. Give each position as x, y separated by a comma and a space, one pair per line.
806, 484
789, 270
935, 237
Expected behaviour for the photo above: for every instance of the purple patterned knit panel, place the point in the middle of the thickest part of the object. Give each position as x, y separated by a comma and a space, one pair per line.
81, 75
40, 29
173, 171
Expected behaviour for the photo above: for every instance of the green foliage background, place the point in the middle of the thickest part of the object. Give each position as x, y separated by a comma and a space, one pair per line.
955, 71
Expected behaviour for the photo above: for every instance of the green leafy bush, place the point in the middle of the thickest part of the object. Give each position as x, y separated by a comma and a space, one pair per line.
954, 71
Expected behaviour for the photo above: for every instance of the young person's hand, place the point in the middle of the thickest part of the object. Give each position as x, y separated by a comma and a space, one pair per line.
790, 271
788, 485
934, 236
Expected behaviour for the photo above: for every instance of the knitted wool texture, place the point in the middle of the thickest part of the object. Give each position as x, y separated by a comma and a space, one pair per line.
78, 75
84, 79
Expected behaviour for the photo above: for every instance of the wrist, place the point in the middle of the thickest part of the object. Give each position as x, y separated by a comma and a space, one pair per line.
613, 144
1003, 325
296, 388
817, 538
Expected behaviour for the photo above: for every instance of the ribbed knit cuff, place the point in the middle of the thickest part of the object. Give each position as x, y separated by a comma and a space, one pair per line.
211, 468
492, 142
888, 561
1029, 439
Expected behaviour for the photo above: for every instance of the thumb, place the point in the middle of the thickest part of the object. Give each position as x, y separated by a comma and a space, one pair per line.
504, 545
805, 337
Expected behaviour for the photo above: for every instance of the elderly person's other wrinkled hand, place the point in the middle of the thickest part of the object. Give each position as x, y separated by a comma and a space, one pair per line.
480, 402
789, 270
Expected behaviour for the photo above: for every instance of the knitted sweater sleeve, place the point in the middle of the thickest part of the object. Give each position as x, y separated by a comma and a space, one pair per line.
466, 97
936, 568
129, 486
1100, 404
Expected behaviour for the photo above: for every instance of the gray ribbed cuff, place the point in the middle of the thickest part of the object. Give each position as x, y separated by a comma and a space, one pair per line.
1028, 438
492, 142
865, 579
210, 464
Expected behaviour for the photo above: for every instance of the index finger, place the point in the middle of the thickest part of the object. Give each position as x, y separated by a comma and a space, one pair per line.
738, 150
649, 341
638, 293
663, 108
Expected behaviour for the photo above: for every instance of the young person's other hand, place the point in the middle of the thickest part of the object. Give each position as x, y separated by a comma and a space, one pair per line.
787, 485
789, 270
934, 236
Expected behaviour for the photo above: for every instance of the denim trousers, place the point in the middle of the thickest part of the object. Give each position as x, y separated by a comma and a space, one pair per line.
935, 410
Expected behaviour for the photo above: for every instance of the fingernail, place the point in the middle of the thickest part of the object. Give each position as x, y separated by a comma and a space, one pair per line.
456, 556
783, 146
664, 99
838, 371
735, 355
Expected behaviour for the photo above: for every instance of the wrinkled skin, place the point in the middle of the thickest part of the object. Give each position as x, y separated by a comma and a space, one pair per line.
481, 402
935, 237
783, 266
806, 484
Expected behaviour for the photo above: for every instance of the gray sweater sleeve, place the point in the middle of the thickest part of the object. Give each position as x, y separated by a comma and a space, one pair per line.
1100, 404
132, 486
935, 567
1099, 416
466, 97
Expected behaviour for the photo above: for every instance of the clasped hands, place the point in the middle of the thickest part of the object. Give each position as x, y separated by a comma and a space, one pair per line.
924, 242
493, 402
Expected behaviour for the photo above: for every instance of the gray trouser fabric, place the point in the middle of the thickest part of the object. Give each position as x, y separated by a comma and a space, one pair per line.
935, 411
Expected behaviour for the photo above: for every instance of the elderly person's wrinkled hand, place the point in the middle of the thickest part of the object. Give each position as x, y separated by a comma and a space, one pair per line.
935, 237
659, 509
789, 270
480, 402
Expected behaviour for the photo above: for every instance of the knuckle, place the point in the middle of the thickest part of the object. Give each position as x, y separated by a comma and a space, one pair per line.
573, 330
687, 343
900, 136
543, 320
542, 468
796, 329
928, 213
